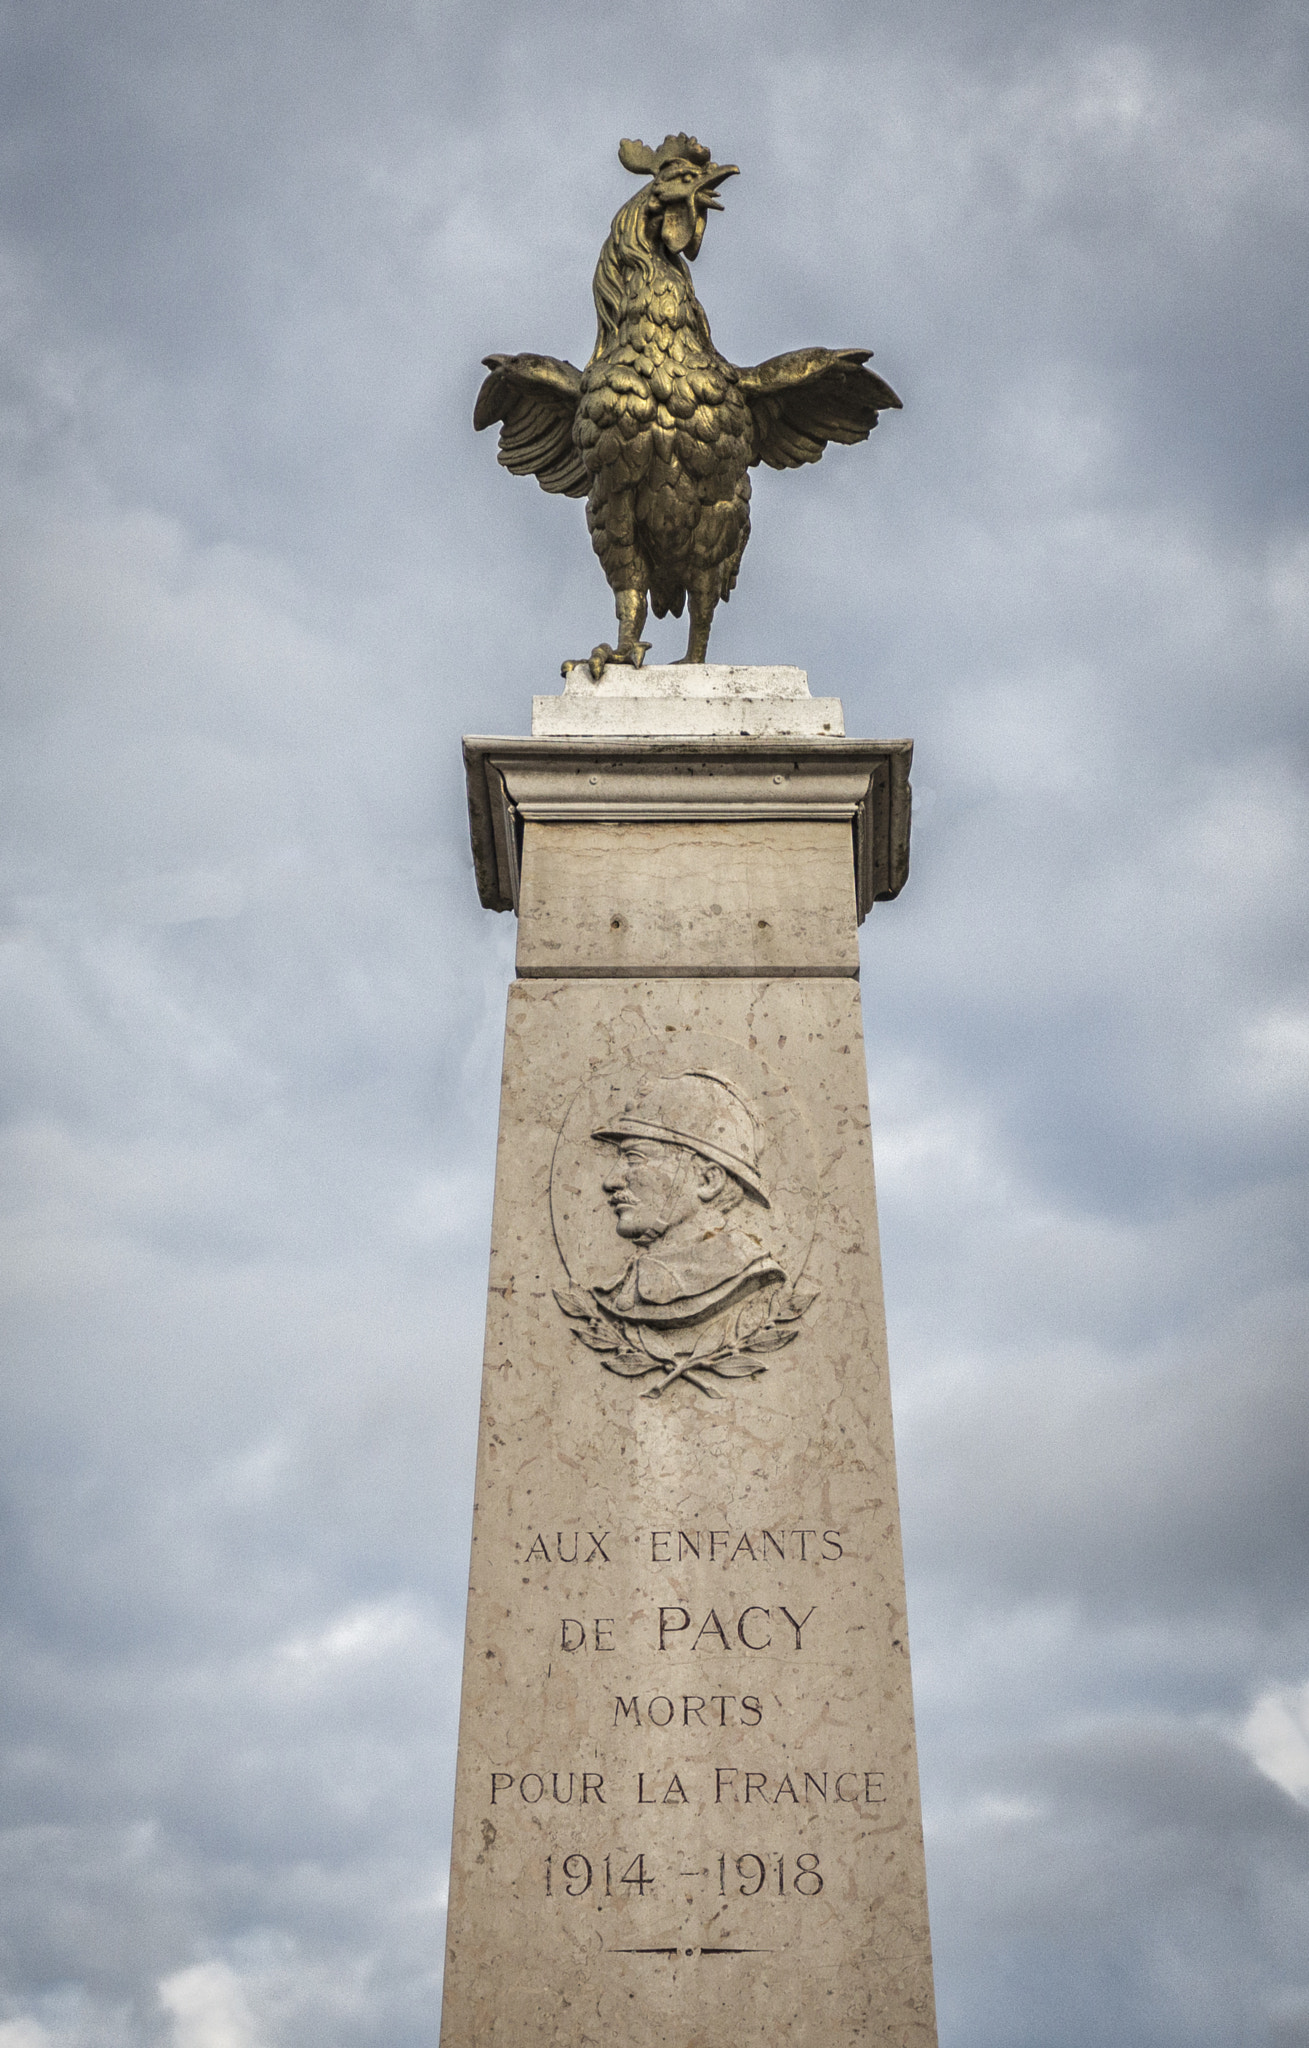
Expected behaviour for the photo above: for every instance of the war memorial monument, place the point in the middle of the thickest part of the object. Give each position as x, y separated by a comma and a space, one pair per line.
687, 1807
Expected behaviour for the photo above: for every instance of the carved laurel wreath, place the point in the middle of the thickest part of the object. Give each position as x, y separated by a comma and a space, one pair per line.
731, 1346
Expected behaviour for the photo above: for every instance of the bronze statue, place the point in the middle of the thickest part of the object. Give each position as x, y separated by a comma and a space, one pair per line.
659, 430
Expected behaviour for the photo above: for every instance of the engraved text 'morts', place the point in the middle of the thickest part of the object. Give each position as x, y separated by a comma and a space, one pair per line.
690, 1710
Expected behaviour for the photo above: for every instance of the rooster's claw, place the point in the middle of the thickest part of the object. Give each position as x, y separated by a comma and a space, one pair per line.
595, 661
600, 658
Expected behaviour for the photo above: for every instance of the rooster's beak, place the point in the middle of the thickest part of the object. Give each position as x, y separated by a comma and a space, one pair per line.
716, 175
684, 223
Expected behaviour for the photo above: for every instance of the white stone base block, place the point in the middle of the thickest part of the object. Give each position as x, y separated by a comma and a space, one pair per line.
703, 698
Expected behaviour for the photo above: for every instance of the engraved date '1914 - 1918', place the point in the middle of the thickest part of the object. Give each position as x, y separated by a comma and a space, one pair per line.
573, 1876
701, 1294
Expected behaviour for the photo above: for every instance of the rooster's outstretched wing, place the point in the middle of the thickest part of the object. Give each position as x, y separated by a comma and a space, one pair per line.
802, 401
536, 399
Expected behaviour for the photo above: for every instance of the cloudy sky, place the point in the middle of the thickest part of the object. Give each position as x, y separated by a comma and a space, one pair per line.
258, 575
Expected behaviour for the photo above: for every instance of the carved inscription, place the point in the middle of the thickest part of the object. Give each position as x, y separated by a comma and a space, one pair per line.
702, 1296
531, 1787
717, 1785
570, 1546
573, 1875
846, 1787
676, 1546
674, 1621
575, 1635
674, 1720
727, 1546
692, 1710
754, 1628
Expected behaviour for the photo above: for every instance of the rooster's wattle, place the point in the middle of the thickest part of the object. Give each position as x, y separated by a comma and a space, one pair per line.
659, 431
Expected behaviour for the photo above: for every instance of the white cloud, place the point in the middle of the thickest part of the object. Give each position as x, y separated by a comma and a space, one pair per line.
359, 1637
1275, 1736
1276, 1056
24, 2033
209, 2008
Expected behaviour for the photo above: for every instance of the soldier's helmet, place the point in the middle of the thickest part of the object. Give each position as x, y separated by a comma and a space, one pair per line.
701, 1111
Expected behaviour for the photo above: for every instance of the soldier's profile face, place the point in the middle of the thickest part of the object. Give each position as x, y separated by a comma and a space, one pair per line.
650, 1187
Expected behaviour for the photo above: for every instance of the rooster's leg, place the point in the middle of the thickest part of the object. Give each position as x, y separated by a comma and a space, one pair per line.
702, 591
631, 649
631, 608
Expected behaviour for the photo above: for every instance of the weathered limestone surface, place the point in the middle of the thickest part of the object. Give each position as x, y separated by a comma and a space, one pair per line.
745, 897
678, 780
722, 680
709, 697
687, 1804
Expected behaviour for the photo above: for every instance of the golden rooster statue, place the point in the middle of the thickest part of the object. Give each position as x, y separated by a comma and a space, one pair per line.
659, 431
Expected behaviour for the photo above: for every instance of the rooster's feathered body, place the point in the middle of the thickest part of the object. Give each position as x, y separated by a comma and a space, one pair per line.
660, 431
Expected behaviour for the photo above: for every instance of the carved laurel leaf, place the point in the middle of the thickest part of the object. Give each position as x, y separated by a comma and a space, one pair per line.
713, 1339
790, 1307
657, 1346
770, 1339
757, 1311
574, 1302
597, 1337
631, 1364
737, 1367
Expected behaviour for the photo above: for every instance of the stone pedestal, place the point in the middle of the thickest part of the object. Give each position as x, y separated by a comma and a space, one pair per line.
687, 1803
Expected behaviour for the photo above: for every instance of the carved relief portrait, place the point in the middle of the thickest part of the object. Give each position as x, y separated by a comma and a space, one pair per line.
698, 1276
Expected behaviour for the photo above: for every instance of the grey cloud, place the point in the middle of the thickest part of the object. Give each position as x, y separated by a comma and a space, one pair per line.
1159, 1830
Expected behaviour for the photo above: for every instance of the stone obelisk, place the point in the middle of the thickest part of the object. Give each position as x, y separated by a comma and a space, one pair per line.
687, 1807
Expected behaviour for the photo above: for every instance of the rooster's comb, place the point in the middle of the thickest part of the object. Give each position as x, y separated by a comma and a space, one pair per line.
639, 157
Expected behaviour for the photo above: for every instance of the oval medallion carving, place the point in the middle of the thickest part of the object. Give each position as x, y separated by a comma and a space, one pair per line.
682, 1196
